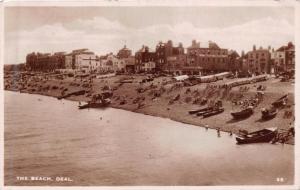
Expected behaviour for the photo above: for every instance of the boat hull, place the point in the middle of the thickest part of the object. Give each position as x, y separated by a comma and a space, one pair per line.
268, 116
200, 110
258, 139
211, 113
204, 112
94, 105
242, 114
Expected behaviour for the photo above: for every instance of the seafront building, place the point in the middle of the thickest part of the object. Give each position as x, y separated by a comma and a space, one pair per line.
206, 59
112, 63
82, 60
171, 59
45, 61
145, 60
283, 58
108, 63
127, 60
175, 64
167, 54
259, 60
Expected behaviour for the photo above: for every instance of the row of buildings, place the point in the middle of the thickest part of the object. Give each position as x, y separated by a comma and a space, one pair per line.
166, 57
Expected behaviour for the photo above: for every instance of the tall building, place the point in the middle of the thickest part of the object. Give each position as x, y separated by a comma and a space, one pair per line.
165, 50
284, 58
45, 61
175, 63
258, 60
143, 57
207, 59
278, 61
83, 60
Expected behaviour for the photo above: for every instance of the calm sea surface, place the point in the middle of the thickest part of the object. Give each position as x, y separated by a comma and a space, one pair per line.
47, 137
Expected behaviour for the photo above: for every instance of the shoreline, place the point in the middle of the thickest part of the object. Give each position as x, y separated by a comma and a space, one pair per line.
160, 106
116, 139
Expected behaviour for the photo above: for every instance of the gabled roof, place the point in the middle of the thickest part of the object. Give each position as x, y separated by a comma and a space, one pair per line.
290, 47
233, 52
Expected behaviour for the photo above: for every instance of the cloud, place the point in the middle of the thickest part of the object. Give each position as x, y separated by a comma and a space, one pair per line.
102, 36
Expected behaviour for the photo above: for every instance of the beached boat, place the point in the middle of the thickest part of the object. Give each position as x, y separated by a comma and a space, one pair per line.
213, 112
243, 114
200, 110
280, 102
204, 112
264, 135
269, 113
98, 104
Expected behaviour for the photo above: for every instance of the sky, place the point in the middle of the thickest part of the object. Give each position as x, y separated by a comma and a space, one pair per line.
108, 29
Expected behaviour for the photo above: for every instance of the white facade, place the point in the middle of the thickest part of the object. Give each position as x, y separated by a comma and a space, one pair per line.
82, 60
278, 58
107, 64
112, 63
86, 61
148, 66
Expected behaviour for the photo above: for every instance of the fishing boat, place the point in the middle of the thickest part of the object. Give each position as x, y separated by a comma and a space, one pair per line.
205, 112
97, 104
280, 102
264, 135
200, 110
213, 112
243, 114
269, 113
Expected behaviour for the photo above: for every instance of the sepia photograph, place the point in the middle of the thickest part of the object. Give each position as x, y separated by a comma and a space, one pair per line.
149, 95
